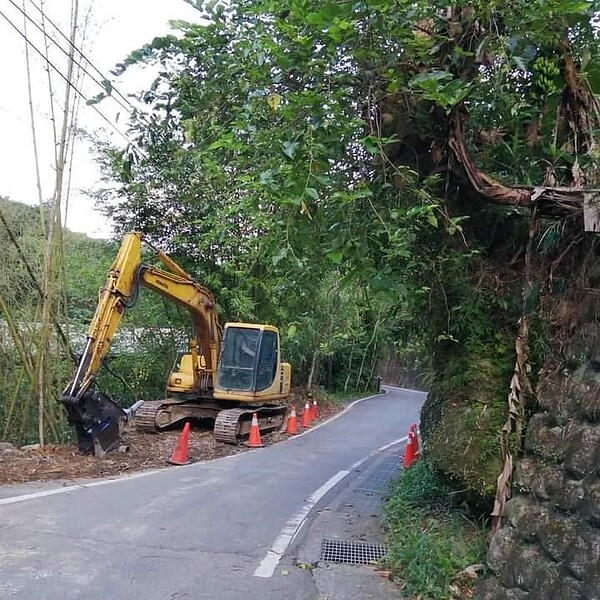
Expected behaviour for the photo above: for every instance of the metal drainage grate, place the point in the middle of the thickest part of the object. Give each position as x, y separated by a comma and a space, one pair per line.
351, 553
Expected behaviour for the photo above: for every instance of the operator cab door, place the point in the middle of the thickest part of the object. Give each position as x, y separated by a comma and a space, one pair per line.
249, 359
267, 361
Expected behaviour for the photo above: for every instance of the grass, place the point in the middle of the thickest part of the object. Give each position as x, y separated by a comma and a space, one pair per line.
431, 539
343, 397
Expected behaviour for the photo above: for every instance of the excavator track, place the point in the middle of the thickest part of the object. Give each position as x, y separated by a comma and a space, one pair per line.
160, 414
233, 423
227, 424
145, 415
230, 424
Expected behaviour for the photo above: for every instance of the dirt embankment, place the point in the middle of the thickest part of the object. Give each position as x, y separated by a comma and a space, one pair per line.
146, 451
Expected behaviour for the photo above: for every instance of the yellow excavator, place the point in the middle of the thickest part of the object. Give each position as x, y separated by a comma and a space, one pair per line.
226, 375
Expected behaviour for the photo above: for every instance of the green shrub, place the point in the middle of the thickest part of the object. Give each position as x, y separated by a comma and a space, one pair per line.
431, 539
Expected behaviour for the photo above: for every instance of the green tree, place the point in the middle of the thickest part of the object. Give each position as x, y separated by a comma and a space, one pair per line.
383, 161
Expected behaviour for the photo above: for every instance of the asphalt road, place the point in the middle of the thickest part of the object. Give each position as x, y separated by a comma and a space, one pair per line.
213, 531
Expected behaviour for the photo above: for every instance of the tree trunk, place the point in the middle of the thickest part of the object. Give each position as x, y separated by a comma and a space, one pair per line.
313, 369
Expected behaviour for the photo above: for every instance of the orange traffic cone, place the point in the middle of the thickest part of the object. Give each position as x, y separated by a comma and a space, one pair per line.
315, 410
292, 424
180, 454
409, 452
306, 415
413, 429
254, 440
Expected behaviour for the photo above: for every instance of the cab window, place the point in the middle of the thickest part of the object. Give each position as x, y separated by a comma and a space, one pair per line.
267, 361
238, 359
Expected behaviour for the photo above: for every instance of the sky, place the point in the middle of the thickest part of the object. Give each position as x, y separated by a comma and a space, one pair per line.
113, 29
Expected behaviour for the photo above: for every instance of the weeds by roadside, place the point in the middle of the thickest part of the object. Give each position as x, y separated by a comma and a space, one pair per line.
341, 397
431, 539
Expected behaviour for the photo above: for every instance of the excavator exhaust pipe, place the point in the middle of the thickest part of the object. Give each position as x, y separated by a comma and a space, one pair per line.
97, 421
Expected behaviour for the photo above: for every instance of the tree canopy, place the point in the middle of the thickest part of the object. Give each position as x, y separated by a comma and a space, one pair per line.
375, 173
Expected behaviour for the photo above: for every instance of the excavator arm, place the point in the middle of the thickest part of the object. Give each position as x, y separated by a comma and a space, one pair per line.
95, 416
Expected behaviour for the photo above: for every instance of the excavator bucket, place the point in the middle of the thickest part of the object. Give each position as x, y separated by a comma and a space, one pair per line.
97, 420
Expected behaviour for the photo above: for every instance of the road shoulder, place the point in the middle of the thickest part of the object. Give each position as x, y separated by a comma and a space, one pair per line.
348, 527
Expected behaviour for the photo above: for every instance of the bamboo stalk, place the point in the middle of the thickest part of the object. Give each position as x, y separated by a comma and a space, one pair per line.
373, 365
14, 332
59, 330
53, 252
51, 420
364, 358
349, 369
313, 368
11, 406
49, 77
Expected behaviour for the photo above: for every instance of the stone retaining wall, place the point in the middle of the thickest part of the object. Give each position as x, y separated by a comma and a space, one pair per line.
549, 546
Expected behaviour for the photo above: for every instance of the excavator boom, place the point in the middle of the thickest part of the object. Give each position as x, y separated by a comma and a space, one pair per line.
95, 416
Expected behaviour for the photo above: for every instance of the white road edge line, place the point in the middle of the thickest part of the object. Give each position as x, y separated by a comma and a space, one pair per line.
334, 417
286, 536
82, 486
73, 488
284, 539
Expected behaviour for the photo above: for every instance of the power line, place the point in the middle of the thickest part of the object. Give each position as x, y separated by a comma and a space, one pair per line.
128, 106
86, 58
69, 83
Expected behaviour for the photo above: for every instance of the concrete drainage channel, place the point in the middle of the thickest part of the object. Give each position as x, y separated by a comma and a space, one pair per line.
371, 488
345, 539
365, 499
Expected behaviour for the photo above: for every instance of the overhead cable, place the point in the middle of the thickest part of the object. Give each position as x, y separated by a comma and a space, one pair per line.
128, 106
70, 83
86, 58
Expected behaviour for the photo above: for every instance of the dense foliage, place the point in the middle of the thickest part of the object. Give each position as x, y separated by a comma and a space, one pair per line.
358, 172
433, 538
26, 340
363, 175
143, 352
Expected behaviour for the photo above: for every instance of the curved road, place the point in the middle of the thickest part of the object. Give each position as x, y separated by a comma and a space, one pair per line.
209, 531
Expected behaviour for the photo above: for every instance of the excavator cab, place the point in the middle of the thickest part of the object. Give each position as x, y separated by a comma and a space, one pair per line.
249, 365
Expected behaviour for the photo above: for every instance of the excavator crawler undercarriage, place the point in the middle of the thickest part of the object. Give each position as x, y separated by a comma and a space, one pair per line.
231, 425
